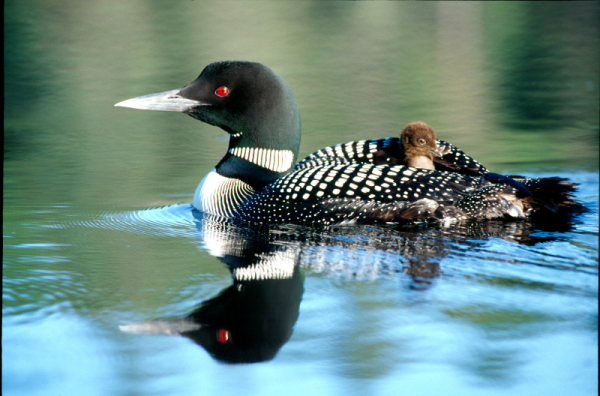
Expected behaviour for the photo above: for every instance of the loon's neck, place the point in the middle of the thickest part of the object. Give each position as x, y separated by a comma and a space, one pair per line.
256, 166
420, 161
238, 175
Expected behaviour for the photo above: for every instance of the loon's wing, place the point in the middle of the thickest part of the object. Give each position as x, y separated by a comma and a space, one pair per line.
359, 152
389, 151
372, 193
455, 160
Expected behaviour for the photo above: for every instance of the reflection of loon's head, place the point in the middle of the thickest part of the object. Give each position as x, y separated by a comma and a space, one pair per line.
249, 321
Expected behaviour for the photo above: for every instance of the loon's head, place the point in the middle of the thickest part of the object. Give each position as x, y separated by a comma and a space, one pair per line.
420, 146
250, 102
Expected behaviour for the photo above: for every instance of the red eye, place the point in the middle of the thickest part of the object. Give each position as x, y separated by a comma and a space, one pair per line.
222, 91
223, 336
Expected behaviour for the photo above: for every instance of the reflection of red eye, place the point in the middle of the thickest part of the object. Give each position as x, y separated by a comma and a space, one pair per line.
222, 91
223, 336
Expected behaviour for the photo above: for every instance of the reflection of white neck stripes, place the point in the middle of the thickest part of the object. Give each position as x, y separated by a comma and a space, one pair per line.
273, 265
275, 160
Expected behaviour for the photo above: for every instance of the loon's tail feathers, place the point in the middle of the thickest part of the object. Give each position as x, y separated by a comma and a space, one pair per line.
551, 197
491, 201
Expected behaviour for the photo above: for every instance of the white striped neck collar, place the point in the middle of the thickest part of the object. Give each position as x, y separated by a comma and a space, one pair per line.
274, 160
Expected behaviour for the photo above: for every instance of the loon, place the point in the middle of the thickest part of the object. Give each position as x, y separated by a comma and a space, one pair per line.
420, 146
259, 181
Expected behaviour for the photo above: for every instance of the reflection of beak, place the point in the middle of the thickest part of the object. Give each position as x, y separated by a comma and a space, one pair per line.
161, 327
436, 153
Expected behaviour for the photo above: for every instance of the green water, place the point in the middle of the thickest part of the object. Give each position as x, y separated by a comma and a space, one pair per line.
87, 248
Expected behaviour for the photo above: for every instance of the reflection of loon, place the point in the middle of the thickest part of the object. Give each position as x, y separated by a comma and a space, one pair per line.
257, 181
250, 320
253, 318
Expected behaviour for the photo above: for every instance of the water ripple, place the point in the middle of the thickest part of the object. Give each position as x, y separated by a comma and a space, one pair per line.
169, 221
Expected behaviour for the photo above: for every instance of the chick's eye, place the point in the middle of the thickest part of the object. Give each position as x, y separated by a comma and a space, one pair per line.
421, 141
222, 91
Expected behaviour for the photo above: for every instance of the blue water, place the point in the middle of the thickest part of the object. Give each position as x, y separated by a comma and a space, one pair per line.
488, 308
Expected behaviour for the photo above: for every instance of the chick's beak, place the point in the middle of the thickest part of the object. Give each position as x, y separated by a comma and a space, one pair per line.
436, 153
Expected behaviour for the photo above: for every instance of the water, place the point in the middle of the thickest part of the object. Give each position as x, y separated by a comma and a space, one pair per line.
99, 233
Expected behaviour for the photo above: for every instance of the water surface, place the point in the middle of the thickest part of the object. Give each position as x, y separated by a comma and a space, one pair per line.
99, 231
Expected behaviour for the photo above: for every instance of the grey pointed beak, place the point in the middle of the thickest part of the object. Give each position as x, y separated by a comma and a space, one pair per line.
162, 101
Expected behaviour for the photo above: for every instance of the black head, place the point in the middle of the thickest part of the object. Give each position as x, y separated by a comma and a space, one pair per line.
419, 139
246, 99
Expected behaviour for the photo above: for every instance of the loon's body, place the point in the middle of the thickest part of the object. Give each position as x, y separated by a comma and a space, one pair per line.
354, 182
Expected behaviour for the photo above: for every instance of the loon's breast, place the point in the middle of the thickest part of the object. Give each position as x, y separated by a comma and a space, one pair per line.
220, 195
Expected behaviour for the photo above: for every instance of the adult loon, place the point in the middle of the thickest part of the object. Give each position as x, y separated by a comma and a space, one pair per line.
257, 180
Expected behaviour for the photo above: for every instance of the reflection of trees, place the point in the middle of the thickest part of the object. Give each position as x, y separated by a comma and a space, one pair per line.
537, 58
